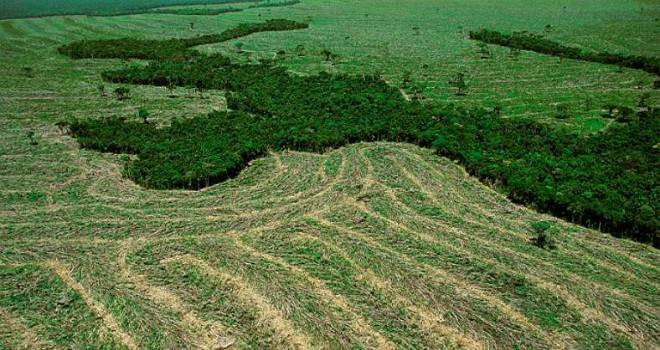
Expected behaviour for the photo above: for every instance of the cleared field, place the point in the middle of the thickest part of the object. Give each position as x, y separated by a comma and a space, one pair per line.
372, 246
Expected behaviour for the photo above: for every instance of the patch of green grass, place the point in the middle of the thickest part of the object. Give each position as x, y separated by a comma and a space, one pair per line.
37, 295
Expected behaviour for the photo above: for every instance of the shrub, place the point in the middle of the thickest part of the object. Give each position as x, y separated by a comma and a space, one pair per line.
544, 235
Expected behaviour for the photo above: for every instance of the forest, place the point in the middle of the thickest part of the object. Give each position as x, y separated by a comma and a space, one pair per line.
160, 49
606, 180
537, 43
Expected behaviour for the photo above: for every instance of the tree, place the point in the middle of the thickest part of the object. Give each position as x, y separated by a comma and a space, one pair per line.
29, 71
31, 135
238, 46
406, 79
62, 126
300, 50
458, 81
122, 93
143, 113
497, 110
484, 51
514, 53
562, 111
279, 55
171, 87
327, 54
416, 30
544, 235
192, 25
101, 88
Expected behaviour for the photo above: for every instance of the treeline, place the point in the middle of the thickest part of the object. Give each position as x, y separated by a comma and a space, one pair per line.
275, 4
537, 43
196, 11
181, 11
608, 180
40, 8
161, 49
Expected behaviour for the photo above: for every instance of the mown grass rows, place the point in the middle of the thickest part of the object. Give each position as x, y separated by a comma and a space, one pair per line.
305, 263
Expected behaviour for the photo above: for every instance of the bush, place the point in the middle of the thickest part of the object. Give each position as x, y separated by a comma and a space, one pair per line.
544, 235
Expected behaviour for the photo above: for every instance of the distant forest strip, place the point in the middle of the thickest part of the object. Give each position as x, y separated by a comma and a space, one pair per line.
37, 8
159, 49
608, 180
275, 4
536, 43
195, 11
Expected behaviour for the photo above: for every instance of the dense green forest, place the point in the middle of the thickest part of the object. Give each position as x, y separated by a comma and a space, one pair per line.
537, 43
607, 180
196, 11
275, 4
39, 8
160, 49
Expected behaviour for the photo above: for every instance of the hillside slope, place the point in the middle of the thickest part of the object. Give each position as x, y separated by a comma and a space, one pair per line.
373, 246
370, 246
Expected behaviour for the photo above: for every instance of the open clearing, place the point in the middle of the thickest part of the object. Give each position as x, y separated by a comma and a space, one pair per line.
372, 246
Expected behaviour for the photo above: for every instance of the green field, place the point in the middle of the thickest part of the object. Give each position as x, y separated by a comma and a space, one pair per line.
370, 246
41, 8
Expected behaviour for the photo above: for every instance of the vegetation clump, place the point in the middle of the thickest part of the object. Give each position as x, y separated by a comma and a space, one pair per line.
275, 4
537, 43
544, 235
196, 11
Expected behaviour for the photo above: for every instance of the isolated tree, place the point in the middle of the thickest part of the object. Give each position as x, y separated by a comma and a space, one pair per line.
29, 71
514, 53
238, 46
328, 55
406, 79
300, 50
416, 30
190, 90
562, 111
497, 110
122, 93
484, 51
544, 235
279, 55
548, 28
62, 127
643, 100
458, 81
171, 86
143, 114
192, 25
31, 135
101, 88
